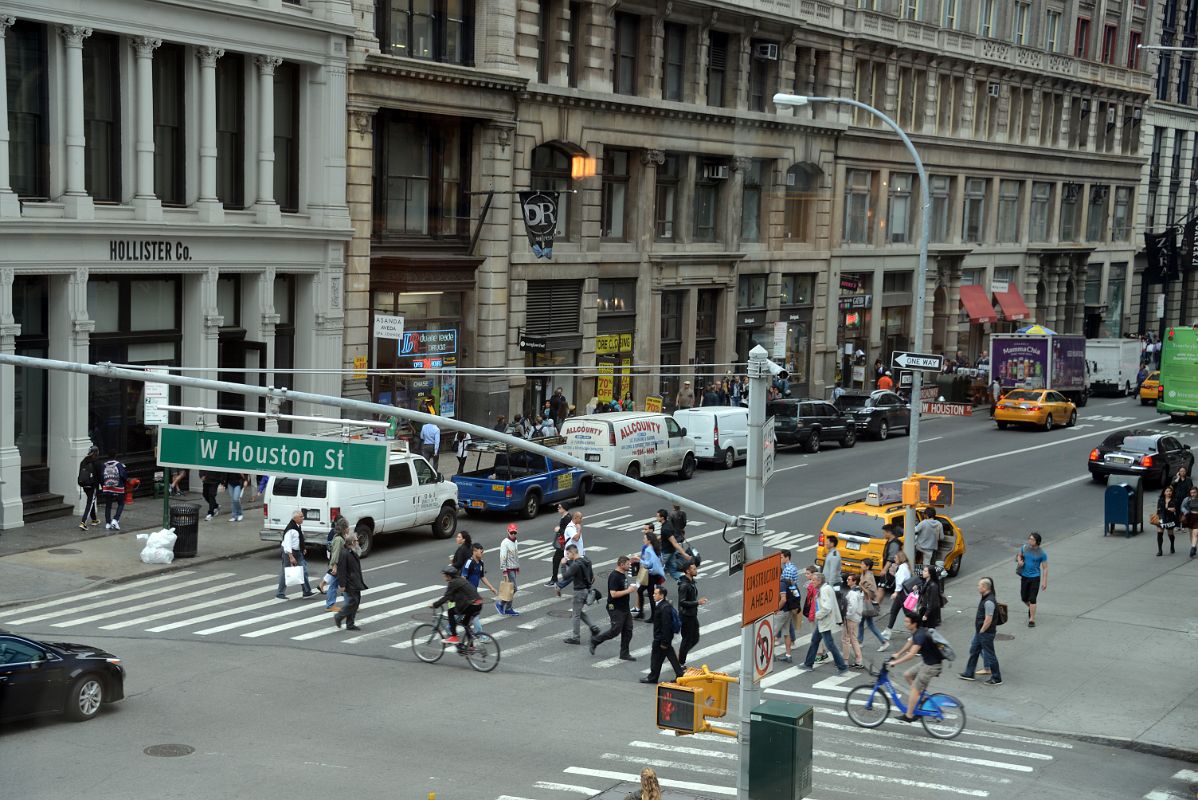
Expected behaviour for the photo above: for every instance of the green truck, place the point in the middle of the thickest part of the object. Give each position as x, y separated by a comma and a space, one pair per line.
1179, 373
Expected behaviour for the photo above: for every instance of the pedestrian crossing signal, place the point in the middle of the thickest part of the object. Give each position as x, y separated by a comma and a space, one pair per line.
684, 705
676, 708
940, 493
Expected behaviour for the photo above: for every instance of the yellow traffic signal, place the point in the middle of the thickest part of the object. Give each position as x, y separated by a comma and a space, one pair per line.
684, 705
911, 491
677, 708
940, 493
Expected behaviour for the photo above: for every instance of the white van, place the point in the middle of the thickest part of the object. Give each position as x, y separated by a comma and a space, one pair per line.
635, 443
415, 494
721, 433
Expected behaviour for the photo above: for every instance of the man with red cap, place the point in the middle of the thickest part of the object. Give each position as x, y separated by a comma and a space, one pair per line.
509, 566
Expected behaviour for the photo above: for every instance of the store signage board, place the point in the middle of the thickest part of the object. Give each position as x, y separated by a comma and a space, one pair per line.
388, 327
534, 344
156, 395
849, 301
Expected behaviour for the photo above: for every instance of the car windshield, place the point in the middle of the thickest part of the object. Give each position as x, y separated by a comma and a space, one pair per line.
1135, 444
853, 401
1022, 394
856, 522
1153, 376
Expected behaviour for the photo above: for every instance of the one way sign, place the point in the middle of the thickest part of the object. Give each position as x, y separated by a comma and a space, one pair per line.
921, 361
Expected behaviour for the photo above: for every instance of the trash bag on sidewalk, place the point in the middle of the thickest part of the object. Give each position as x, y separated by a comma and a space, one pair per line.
160, 546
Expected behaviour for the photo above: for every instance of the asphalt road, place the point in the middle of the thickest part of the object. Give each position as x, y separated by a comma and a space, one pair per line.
265, 693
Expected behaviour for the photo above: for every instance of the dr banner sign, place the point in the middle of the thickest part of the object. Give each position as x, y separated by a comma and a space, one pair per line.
539, 210
272, 454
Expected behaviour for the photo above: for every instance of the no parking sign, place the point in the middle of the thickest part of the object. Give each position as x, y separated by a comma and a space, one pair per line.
763, 649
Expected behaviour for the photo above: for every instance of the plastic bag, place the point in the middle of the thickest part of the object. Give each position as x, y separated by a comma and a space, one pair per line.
159, 547
293, 576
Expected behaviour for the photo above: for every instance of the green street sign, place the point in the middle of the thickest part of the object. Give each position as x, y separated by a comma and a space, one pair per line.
272, 454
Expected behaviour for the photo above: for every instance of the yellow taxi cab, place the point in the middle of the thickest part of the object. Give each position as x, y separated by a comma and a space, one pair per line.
1043, 408
858, 527
1150, 389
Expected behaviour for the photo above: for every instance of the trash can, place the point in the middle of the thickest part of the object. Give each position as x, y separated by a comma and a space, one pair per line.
780, 750
1123, 504
185, 519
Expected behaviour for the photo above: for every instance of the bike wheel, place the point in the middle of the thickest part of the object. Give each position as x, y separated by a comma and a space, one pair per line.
942, 715
427, 643
867, 706
484, 654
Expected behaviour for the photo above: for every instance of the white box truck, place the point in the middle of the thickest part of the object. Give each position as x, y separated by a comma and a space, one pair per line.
1113, 365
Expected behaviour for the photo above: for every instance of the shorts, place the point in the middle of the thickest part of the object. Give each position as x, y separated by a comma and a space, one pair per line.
784, 619
922, 675
1029, 589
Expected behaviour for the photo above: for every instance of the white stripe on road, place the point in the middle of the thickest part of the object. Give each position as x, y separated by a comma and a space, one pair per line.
323, 615
714, 626
684, 751
856, 742
293, 608
374, 617
672, 784
228, 612
384, 566
707, 769
933, 439
174, 612
1186, 775
566, 787
163, 600
1022, 497
857, 777
793, 466
124, 587
156, 591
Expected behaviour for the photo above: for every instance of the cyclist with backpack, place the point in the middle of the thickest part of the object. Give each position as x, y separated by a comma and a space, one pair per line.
112, 490
466, 602
989, 616
89, 481
924, 645
666, 624
578, 572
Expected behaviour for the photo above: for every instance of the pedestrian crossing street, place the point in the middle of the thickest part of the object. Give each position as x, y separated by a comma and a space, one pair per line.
1182, 786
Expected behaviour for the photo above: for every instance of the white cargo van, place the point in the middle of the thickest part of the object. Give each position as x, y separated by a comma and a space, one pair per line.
415, 495
721, 433
635, 443
1114, 364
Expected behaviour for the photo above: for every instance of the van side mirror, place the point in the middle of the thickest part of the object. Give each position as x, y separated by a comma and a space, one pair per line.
683, 432
440, 478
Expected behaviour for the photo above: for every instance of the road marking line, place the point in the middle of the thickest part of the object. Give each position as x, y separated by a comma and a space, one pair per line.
836, 682
496, 635
857, 777
374, 617
593, 514
1185, 775
794, 466
933, 439
292, 609
124, 587
894, 734
642, 651
1158, 794
855, 742
384, 566
511, 797
707, 769
565, 787
624, 776
174, 612
1022, 497
228, 612
101, 603
207, 591
685, 751
603, 523
953, 774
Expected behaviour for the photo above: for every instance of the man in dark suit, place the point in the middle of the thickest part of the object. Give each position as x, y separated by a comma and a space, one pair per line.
663, 637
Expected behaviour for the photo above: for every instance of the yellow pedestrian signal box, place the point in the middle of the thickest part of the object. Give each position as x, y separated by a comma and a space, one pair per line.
933, 490
940, 493
684, 705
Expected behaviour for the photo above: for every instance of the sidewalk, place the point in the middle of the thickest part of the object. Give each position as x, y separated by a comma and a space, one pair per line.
1110, 657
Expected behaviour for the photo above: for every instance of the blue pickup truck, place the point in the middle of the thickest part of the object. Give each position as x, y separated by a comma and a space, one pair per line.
520, 481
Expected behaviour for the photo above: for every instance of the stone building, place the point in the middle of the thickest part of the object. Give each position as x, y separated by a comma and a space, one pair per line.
172, 192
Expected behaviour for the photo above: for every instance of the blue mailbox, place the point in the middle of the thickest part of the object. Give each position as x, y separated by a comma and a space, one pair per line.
1124, 505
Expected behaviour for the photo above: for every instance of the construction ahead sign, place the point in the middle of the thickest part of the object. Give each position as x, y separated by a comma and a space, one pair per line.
762, 579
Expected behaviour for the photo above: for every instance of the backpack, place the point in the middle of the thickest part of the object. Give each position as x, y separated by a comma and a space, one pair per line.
87, 476
1000, 613
675, 620
110, 476
593, 594
946, 650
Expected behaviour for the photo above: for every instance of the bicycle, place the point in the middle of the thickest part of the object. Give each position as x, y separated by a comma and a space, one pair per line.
479, 649
942, 715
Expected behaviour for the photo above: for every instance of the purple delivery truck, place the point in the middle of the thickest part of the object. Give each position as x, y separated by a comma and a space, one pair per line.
1041, 361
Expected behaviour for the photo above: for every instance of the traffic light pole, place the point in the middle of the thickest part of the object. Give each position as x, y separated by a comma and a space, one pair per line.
751, 525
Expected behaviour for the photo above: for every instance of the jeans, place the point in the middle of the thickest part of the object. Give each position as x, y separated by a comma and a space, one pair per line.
983, 645
330, 595
461, 465
509, 575
558, 553
577, 610
868, 622
235, 499
109, 498
670, 562
299, 561
829, 643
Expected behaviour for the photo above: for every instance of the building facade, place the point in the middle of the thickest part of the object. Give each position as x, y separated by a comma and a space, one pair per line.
172, 192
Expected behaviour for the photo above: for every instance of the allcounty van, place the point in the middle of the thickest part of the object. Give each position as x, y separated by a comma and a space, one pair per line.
635, 443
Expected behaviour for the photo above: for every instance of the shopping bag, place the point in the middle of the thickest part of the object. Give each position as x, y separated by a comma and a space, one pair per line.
293, 576
507, 590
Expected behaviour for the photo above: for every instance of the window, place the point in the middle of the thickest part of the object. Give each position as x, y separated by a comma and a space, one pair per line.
796, 290
751, 206
948, 14
717, 67
761, 77
941, 189
665, 198
911, 99
974, 221
102, 117
1081, 39
287, 126
436, 30
574, 43
1185, 68
1052, 31
949, 103
986, 18
1040, 213
1096, 222
802, 183
750, 291
627, 38
985, 109
1133, 49
673, 58
1052, 106
1070, 211
18, 652
1110, 43
1121, 221
551, 170
1023, 12
1010, 196
230, 130
871, 90
27, 77
420, 167
898, 224
707, 200
169, 163
544, 39
858, 206
615, 192
910, 9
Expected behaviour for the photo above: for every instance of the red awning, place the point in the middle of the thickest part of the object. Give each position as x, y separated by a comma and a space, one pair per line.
1012, 305
977, 304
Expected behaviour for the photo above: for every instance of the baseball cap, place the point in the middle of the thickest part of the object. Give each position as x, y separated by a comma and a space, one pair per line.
513, 528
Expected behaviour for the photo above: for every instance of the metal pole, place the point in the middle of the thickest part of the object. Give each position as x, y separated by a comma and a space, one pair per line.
751, 525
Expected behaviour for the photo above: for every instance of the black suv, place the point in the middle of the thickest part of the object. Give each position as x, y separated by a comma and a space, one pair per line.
810, 423
876, 413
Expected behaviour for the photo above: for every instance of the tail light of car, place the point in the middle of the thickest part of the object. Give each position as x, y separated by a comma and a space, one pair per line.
1033, 408
611, 437
1146, 461
1160, 390
265, 512
507, 491
821, 540
334, 512
1094, 454
716, 438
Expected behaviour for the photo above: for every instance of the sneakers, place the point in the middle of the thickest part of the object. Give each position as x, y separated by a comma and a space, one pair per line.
821, 658
82, 526
785, 657
994, 682
549, 584
886, 634
627, 657
116, 525
1031, 623
885, 646
592, 645
208, 518
280, 597
572, 640
511, 612
965, 677
452, 640
237, 518
498, 607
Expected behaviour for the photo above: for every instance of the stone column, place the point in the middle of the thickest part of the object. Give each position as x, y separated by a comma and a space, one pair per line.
11, 507
325, 201
10, 206
735, 208
654, 52
75, 200
359, 189
68, 438
208, 205
146, 205
265, 206
644, 197
201, 339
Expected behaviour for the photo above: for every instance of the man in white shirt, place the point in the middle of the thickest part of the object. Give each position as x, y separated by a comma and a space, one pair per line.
293, 555
574, 534
430, 443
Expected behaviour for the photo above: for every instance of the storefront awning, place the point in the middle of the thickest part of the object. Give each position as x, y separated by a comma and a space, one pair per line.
1012, 305
977, 304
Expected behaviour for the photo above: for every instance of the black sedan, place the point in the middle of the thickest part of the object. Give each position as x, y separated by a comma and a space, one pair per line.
43, 678
877, 413
1155, 457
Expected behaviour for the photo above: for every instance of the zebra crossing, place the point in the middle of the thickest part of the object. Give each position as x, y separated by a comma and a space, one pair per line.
1183, 785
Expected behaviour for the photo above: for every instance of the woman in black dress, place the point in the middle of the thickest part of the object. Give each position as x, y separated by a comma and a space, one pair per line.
1168, 515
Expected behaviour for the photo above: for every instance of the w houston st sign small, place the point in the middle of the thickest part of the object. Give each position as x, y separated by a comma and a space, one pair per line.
272, 454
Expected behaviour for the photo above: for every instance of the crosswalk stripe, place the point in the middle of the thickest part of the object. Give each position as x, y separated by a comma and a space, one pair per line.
323, 615
858, 778
292, 608
918, 752
566, 787
894, 734
902, 766
374, 617
101, 603
603, 523
224, 600
1185, 775
200, 620
684, 751
667, 782
706, 769
642, 651
124, 587
160, 601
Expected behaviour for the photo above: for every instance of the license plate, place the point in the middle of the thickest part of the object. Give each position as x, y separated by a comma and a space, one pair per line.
1118, 460
1023, 406
312, 513
478, 504
592, 456
852, 546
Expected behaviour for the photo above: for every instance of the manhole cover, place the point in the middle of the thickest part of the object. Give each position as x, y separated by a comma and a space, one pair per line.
560, 613
169, 750
1004, 637
65, 551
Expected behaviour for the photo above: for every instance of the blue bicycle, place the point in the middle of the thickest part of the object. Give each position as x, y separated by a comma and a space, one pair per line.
941, 715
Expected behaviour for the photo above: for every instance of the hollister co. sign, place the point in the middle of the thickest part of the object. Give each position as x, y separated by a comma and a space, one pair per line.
147, 250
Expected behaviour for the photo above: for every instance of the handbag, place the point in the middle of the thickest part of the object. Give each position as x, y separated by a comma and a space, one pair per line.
507, 590
642, 576
293, 576
911, 602
870, 610
1155, 519
1019, 563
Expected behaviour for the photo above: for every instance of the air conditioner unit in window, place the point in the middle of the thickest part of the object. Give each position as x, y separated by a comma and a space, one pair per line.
1098, 194
1072, 191
993, 89
1137, 114
715, 171
1085, 107
1110, 116
766, 51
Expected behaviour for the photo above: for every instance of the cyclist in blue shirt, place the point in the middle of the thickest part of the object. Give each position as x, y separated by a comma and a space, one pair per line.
1032, 565
475, 571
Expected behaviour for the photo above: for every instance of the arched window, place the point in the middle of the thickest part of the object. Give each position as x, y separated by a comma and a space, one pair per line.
551, 172
802, 186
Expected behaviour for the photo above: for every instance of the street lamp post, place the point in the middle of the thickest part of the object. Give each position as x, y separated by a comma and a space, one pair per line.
921, 276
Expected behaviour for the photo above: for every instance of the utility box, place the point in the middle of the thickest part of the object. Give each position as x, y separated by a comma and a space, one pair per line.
780, 749
1123, 504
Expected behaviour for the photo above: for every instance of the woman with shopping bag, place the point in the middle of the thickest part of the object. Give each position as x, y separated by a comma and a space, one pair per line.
509, 566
